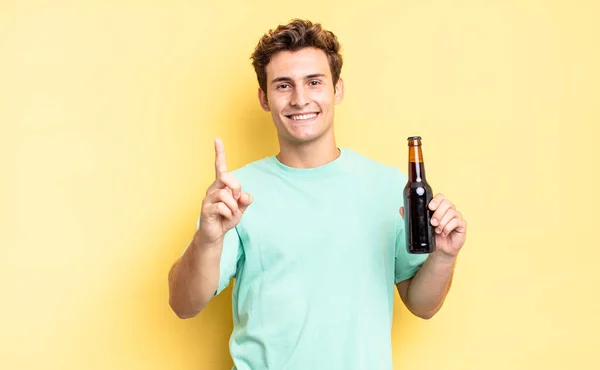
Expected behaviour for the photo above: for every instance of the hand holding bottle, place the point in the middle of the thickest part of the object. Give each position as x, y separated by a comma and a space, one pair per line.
432, 224
449, 225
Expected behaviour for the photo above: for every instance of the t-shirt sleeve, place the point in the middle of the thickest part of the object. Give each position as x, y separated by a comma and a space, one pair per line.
231, 255
407, 264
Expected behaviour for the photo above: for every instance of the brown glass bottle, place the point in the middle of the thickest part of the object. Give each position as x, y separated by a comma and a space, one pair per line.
420, 234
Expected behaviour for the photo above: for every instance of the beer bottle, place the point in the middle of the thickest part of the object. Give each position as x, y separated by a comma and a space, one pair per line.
420, 234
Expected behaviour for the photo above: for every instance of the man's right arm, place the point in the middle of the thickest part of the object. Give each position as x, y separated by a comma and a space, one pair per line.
194, 277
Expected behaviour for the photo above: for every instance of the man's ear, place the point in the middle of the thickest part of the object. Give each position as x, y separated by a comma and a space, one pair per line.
339, 91
262, 98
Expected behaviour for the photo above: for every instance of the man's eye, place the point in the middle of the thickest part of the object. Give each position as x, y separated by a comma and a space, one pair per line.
283, 86
314, 83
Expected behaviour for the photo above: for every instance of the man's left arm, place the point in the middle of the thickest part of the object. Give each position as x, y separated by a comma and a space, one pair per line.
424, 293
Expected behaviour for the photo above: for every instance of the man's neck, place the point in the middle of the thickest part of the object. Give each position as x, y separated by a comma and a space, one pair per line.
310, 155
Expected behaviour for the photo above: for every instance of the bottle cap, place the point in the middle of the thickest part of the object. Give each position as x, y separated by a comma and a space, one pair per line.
414, 138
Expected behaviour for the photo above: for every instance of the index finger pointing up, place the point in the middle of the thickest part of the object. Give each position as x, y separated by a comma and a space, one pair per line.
220, 165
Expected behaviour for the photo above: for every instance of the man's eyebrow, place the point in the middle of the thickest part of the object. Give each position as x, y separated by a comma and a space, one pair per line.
288, 79
280, 79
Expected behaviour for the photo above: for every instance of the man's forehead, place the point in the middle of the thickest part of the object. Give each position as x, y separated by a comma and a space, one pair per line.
298, 64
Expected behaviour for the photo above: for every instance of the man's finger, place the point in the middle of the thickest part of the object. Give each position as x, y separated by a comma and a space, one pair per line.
213, 187
402, 212
436, 201
220, 164
245, 201
450, 226
223, 210
232, 183
443, 207
445, 219
223, 196
226, 180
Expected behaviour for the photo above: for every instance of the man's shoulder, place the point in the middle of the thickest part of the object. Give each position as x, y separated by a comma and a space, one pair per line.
254, 169
368, 164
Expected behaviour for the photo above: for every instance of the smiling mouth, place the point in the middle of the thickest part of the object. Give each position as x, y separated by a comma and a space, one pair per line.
303, 117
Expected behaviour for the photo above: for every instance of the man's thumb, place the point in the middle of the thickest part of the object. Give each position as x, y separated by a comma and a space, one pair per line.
244, 201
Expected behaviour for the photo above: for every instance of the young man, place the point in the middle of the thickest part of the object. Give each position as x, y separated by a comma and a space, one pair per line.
314, 235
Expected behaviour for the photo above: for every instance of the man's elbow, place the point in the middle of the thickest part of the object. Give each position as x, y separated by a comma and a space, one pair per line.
425, 315
185, 315
181, 312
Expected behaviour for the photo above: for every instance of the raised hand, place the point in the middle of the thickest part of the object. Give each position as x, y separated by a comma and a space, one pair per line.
225, 202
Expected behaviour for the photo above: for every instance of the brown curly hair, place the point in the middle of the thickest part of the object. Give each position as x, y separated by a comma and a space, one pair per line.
294, 36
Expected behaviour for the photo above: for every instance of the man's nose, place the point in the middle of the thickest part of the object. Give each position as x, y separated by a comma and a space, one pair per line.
299, 97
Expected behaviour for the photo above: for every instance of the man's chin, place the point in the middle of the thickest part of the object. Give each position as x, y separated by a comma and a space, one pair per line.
302, 139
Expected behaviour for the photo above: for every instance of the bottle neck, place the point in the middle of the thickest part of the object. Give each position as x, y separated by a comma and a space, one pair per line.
416, 166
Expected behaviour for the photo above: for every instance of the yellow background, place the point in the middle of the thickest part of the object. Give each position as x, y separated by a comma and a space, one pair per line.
109, 109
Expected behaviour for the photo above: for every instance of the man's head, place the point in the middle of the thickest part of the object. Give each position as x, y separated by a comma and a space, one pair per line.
298, 67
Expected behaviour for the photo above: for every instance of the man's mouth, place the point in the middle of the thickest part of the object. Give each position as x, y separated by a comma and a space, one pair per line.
302, 117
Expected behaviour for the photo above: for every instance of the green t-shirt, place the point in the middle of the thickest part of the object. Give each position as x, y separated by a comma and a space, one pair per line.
315, 259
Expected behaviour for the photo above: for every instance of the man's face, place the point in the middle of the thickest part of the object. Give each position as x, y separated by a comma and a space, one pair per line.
300, 95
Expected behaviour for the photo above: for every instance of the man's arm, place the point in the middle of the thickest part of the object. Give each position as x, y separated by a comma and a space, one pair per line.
194, 278
424, 293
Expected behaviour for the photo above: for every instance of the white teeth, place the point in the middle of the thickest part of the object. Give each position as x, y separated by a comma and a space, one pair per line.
303, 116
